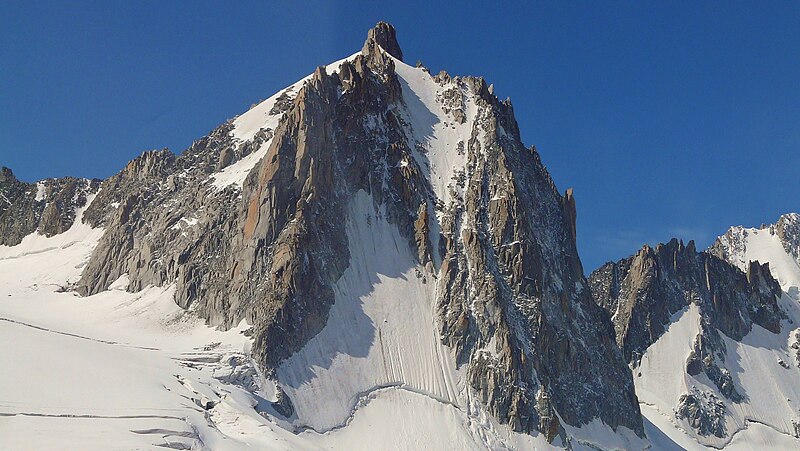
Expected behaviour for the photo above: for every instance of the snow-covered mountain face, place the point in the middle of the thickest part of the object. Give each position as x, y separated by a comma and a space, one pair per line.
712, 336
382, 264
47, 207
386, 236
776, 245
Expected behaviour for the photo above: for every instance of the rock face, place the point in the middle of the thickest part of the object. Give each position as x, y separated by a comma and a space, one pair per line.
779, 366
477, 208
511, 276
643, 291
703, 411
383, 35
47, 207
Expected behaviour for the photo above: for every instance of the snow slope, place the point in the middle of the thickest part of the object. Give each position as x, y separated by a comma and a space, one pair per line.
763, 245
116, 370
47, 261
380, 330
772, 392
660, 377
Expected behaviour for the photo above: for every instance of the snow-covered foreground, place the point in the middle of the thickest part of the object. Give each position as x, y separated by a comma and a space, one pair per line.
117, 370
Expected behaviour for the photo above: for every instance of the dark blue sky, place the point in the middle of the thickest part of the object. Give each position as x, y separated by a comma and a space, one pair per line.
668, 120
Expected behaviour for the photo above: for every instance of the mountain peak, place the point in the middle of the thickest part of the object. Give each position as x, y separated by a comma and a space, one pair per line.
384, 35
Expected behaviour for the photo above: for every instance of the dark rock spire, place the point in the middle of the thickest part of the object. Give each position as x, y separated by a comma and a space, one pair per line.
384, 35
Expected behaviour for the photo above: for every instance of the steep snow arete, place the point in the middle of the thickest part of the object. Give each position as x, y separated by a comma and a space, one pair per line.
385, 265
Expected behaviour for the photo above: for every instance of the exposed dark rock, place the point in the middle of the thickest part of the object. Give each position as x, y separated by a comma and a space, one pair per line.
47, 207
794, 339
704, 412
384, 35
643, 291
510, 270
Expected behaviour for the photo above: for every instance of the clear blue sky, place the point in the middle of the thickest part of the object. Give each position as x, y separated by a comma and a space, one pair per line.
668, 118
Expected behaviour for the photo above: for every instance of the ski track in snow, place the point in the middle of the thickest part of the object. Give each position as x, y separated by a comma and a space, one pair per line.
75, 335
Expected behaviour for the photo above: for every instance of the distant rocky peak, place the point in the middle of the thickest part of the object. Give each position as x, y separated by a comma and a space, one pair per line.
47, 207
733, 245
778, 244
641, 293
6, 175
788, 230
156, 163
383, 35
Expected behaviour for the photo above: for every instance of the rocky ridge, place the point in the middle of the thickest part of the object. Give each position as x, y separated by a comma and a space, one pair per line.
742, 310
644, 290
46, 207
732, 246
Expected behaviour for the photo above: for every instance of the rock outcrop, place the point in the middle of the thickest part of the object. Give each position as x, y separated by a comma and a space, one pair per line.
385, 36
732, 246
47, 207
641, 292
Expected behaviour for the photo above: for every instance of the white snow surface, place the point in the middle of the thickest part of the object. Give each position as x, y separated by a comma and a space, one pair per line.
115, 370
64, 255
40, 191
772, 392
662, 381
764, 246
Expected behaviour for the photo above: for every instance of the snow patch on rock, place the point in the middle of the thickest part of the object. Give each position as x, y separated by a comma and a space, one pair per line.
439, 138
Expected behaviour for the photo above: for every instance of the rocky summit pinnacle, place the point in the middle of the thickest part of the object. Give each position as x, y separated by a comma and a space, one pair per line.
384, 35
